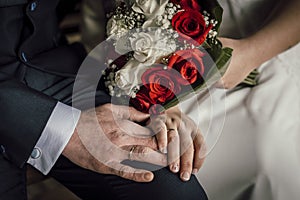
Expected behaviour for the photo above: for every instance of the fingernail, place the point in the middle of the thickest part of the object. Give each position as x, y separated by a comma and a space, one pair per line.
185, 176
164, 150
148, 176
195, 171
175, 168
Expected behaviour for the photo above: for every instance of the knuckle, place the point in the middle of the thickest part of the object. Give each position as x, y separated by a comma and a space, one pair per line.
111, 170
119, 131
132, 113
104, 107
185, 129
150, 142
172, 137
162, 142
116, 135
135, 175
187, 143
161, 124
142, 151
159, 127
122, 171
197, 148
90, 164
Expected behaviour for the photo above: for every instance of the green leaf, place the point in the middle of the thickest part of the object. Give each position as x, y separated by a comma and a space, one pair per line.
250, 80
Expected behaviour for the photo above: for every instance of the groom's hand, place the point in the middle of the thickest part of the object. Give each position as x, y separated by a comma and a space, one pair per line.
106, 136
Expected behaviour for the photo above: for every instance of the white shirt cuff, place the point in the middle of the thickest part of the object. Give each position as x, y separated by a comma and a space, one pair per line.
54, 137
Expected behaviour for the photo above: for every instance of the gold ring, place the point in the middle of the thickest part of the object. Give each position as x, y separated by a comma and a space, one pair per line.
130, 152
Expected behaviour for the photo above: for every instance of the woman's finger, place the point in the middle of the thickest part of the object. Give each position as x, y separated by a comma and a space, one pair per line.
173, 150
162, 138
158, 126
187, 155
199, 152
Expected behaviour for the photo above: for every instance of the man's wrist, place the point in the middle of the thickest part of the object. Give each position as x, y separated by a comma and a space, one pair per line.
54, 138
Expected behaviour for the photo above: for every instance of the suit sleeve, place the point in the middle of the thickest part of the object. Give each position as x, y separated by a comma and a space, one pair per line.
24, 113
54, 138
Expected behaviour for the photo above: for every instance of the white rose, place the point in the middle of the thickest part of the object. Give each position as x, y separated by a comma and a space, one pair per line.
143, 45
115, 27
129, 77
148, 46
150, 8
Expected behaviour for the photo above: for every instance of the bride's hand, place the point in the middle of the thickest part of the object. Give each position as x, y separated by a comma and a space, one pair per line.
242, 62
279, 34
179, 136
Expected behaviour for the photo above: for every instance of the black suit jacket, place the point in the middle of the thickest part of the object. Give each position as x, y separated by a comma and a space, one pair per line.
36, 70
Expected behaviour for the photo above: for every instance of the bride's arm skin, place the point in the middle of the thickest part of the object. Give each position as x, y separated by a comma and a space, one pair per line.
281, 33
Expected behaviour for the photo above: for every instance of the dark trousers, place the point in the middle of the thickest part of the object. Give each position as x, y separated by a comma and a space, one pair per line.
89, 185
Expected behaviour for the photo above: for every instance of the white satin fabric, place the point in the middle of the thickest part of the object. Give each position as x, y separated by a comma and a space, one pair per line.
253, 134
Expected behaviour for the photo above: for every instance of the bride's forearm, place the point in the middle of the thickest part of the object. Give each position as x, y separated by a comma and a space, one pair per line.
275, 37
281, 33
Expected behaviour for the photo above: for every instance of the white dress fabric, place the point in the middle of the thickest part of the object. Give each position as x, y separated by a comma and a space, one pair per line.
253, 134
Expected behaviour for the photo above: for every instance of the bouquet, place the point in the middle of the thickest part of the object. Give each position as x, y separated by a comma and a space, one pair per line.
162, 51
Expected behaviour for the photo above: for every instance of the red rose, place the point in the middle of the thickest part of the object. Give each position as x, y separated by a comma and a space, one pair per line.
160, 83
186, 4
142, 101
190, 24
189, 64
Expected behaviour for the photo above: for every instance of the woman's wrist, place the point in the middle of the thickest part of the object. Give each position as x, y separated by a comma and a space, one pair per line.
249, 55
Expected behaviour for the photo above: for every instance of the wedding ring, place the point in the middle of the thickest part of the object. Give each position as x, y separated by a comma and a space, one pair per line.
131, 152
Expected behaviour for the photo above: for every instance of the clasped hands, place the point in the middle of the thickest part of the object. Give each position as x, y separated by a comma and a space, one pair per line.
109, 134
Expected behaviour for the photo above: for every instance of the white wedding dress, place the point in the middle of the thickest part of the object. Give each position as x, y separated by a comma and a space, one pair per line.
253, 134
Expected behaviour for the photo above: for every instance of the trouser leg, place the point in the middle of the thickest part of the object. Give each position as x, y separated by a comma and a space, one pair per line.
12, 181
89, 185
